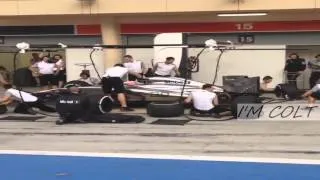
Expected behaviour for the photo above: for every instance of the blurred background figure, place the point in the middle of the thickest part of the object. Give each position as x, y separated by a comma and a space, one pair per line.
33, 67
5, 76
60, 70
85, 77
294, 67
314, 66
137, 69
166, 69
46, 73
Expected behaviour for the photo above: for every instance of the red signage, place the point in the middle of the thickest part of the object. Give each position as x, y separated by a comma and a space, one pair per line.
88, 29
216, 27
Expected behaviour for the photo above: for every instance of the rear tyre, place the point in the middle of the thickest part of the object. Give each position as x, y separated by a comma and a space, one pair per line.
165, 109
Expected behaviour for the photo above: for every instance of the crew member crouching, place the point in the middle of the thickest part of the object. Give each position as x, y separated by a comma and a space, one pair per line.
71, 106
26, 101
204, 101
112, 82
312, 95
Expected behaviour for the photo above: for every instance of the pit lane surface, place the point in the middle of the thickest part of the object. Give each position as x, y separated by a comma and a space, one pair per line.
249, 138
294, 139
231, 140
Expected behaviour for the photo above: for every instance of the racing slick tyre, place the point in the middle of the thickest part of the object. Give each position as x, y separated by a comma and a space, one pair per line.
100, 104
224, 98
287, 91
246, 100
3, 109
79, 105
165, 109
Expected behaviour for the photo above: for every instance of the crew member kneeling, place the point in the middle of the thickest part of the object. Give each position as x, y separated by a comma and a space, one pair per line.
25, 101
72, 106
112, 82
204, 101
312, 95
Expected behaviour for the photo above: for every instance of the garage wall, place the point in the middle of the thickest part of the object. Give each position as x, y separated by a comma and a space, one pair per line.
304, 38
305, 44
311, 38
13, 40
146, 55
307, 47
75, 57
248, 62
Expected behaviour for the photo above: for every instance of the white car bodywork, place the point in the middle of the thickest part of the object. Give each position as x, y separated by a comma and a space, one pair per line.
166, 86
148, 89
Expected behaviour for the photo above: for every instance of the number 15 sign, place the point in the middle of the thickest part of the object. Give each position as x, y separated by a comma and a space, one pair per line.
246, 39
244, 26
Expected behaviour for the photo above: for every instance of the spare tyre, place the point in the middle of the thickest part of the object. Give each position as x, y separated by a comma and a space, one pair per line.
165, 109
287, 91
250, 100
75, 106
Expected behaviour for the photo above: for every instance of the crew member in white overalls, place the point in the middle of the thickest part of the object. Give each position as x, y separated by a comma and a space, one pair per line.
60, 70
204, 101
26, 101
312, 95
136, 68
46, 70
112, 82
166, 69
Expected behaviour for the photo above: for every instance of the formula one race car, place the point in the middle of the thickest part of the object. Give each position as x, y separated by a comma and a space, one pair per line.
166, 89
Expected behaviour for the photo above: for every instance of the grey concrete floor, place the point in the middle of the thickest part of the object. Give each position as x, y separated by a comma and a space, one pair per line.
242, 138
250, 138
